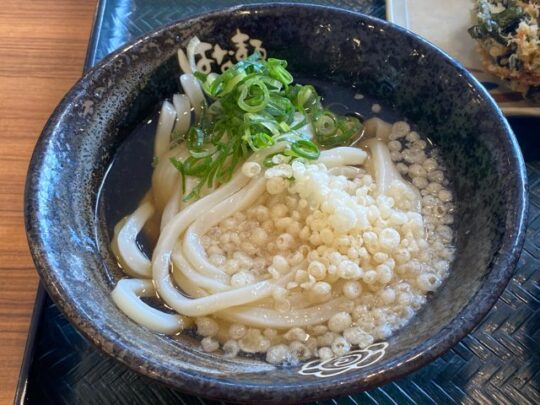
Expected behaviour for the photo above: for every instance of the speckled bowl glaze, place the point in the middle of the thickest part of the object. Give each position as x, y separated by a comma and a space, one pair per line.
69, 242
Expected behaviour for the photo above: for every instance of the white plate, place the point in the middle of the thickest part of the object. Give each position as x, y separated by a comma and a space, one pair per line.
445, 23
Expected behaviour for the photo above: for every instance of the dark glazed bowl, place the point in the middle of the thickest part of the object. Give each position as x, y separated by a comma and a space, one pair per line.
69, 243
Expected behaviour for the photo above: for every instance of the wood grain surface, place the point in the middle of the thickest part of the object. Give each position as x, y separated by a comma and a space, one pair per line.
42, 49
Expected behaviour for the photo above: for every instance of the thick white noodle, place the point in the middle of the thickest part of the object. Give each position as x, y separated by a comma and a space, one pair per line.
210, 284
213, 303
238, 201
350, 172
180, 222
193, 250
165, 176
298, 300
342, 156
173, 205
263, 317
193, 90
232, 196
385, 171
127, 295
183, 62
182, 106
176, 202
270, 318
260, 315
175, 228
187, 286
167, 117
377, 128
134, 261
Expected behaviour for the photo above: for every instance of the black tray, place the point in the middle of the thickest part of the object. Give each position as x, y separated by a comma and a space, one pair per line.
499, 362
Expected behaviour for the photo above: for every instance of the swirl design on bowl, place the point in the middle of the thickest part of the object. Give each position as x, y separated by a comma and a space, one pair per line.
353, 360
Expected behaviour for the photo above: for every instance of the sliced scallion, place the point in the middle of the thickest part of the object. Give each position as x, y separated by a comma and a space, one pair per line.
252, 106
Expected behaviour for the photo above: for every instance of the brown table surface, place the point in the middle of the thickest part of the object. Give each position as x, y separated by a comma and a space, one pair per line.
42, 49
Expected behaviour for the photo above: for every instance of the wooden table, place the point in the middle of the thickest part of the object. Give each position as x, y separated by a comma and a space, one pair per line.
42, 49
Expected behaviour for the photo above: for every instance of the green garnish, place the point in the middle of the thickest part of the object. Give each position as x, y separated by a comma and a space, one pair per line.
180, 167
252, 107
305, 149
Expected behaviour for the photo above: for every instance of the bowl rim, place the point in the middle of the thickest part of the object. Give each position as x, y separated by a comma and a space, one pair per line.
496, 280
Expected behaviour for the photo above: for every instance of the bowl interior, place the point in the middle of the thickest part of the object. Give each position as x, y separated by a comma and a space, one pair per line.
69, 224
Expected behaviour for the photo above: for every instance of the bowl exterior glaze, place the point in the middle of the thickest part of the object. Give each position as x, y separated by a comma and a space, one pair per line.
69, 243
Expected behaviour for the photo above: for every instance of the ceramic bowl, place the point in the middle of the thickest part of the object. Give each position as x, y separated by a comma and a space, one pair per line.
69, 238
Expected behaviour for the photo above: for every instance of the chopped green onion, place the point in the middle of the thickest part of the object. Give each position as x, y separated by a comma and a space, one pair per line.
262, 140
202, 77
198, 154
307, 98
268, 160
180, 167
278, 70
195, 138
253, 96
345, 129
325, 124
299, 125
252, 106
196, 167
305, 149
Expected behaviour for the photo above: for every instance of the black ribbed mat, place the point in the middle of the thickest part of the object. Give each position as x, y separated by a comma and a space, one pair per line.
498, 363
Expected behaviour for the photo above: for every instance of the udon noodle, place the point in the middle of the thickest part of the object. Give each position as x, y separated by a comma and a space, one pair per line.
292, 258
